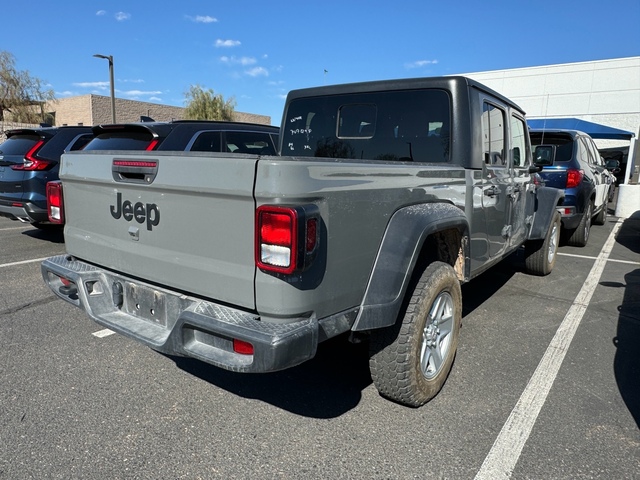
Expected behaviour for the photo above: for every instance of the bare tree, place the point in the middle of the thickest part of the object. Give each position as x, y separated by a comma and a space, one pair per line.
207, 105
22, 95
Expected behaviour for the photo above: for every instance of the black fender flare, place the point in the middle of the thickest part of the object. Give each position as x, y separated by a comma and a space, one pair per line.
547, 199
397, 256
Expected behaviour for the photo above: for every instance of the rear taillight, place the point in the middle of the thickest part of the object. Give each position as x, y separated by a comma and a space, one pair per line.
286, 238
152, 145
574, 177
31, 163
55, 204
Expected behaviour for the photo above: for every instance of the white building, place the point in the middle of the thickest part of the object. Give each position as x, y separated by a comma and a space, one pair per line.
604, 92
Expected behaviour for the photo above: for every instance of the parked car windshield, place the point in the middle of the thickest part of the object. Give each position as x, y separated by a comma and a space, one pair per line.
404, 125
564, 144
120, 141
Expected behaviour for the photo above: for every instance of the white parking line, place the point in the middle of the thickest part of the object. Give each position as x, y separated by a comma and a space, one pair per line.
103, 333
628, 262
22, 262
506, 450
15, 228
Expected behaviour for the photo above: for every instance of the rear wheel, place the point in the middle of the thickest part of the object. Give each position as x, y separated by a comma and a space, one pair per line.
411, 360
540, 255
580, 236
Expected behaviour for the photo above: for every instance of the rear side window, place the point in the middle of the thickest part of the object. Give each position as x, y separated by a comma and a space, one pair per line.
257, 143
120, 141
80, 142
493, 135
410, 125
207, 142
18, 144
520, 150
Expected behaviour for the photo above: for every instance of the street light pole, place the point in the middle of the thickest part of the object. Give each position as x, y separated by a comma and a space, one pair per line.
113, 94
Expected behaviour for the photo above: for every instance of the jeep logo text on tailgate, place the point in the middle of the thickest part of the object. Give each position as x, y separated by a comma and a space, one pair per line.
139, 211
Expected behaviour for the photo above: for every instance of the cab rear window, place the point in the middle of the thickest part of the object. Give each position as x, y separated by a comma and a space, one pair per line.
120, 141
403, 126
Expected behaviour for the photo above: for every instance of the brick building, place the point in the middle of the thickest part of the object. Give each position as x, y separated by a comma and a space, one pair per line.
96, 109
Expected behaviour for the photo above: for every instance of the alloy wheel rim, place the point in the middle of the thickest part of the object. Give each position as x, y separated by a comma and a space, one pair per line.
436, 336
553, 243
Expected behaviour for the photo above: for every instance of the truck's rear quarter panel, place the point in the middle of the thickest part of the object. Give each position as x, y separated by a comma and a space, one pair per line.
356, 199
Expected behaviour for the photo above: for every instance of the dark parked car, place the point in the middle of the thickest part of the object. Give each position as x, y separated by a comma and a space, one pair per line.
181, 135
571, 161
30, 158
189, 135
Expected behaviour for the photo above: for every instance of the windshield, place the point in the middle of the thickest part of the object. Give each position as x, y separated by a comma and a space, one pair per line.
120, 141
563, 143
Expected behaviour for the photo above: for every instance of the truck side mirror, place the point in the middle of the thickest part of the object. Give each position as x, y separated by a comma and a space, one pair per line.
544, 155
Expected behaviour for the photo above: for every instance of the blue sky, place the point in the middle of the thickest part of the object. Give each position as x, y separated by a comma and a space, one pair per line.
257, 51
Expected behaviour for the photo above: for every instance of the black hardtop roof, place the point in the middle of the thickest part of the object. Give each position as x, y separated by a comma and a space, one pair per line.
447, 83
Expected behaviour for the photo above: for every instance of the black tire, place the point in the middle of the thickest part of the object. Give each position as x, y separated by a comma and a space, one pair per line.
580, 236
601, 217
540, 255
411, 360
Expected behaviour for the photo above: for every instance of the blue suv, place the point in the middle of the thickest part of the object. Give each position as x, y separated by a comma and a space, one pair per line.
570, 161
29, 158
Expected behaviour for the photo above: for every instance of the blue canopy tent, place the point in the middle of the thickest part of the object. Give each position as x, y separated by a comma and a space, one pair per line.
594, 130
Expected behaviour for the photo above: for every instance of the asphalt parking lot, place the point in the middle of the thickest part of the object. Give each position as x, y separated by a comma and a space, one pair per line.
546, 384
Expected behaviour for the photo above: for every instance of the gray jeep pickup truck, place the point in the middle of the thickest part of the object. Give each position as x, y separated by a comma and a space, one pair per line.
386, 197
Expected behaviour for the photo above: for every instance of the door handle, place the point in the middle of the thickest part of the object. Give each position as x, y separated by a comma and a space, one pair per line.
491, 191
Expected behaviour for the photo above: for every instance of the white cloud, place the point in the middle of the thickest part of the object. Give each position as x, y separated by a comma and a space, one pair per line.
101, 12
202, 19
141, 92
420, 63
132, 80
66, 93
226, 43
122, 16
257, 72
101, 85
244, 61
155, 99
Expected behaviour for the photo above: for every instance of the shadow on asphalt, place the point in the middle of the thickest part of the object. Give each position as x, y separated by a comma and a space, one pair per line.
327, 386
626, 364
481, 288
52, 234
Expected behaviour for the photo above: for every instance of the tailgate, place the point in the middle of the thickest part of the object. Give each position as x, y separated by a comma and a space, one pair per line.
187, 224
